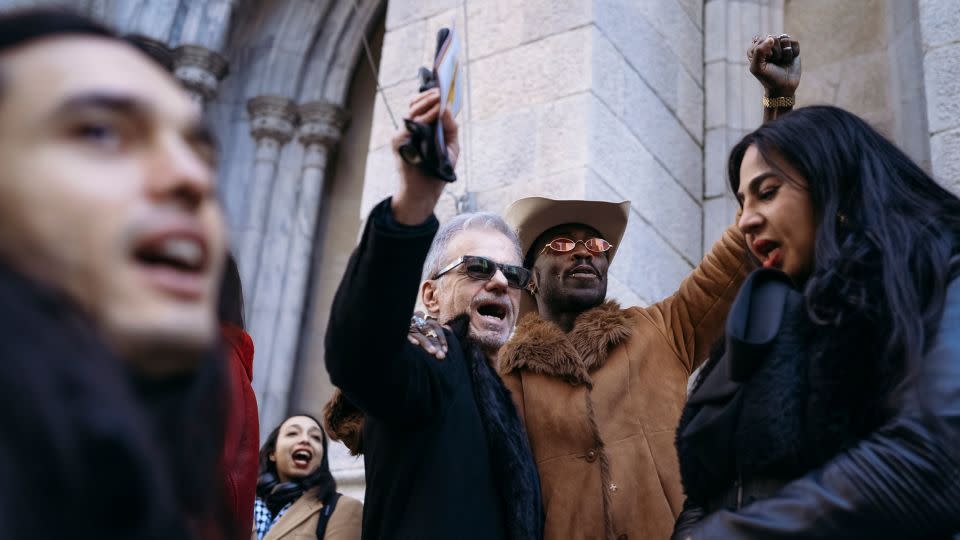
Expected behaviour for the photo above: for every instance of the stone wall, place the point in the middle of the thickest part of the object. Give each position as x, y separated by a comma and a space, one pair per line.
733, 106
940, 26
599, 99
862, 56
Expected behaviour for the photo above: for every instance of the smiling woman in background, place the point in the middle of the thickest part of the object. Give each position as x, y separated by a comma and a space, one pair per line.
296, 494
832, 409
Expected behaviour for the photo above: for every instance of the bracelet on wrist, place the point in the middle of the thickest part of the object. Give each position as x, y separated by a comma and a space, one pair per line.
782, 102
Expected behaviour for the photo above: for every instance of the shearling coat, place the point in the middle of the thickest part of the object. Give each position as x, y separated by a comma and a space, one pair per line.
601, 403
300, 521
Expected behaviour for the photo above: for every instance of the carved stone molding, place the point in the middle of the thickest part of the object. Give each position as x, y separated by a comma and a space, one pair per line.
272, 117
321, 122
199, 69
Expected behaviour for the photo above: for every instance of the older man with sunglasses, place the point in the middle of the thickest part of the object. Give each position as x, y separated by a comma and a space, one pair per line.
445, 452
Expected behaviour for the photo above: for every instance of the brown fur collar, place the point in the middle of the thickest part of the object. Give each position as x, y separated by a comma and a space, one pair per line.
344, 422
542, 347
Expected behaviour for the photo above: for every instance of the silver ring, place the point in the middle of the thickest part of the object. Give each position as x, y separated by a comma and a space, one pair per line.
418, 322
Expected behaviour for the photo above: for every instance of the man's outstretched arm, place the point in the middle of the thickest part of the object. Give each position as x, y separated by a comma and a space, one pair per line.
367, 352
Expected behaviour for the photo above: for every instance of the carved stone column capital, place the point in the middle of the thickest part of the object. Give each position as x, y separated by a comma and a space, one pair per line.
321, 122
199, 69
272, 117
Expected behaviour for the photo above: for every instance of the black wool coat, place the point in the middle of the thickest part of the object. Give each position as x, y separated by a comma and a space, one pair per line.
444, 450
77, 459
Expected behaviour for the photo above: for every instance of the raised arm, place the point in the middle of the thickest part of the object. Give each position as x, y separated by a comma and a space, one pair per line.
694, 315
368, 355
775, 62
903, 481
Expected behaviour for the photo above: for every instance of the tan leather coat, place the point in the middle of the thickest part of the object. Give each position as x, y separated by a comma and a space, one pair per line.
299, 522
601, 403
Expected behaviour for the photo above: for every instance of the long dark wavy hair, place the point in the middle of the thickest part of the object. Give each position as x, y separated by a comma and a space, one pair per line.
269, 485
886, 232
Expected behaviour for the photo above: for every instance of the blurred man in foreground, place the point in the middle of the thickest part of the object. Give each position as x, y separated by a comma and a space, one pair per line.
111, 248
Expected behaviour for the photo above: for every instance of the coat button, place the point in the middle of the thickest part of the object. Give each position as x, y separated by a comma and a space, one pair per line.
591, 456
613, 487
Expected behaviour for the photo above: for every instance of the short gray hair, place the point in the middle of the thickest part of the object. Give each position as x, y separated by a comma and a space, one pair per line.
459, 224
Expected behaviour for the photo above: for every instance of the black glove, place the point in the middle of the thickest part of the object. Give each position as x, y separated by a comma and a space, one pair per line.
423, 150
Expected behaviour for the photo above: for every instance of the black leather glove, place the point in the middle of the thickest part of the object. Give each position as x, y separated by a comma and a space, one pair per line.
423, 149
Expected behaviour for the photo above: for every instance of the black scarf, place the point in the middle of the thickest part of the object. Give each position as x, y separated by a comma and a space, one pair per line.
510, 456
746, 413
779, 395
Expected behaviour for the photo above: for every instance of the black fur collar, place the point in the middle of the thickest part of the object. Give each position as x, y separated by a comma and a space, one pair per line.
516, 473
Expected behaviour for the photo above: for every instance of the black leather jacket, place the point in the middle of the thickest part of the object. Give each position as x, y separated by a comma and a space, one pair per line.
902, 481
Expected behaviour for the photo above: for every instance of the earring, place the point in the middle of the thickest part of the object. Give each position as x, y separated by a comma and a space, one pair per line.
842, 218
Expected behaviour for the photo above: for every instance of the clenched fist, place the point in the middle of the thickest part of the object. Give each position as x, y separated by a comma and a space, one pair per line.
775, 62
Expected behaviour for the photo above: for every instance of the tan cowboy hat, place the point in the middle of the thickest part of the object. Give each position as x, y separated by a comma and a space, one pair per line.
532, 216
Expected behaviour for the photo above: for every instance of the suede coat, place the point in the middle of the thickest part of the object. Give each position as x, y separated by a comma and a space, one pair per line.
300, 521
602, 402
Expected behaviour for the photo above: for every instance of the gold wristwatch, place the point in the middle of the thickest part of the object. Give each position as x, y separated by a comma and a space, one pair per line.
782, 102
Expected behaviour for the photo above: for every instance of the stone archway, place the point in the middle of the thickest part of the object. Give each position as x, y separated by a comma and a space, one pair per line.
295, 61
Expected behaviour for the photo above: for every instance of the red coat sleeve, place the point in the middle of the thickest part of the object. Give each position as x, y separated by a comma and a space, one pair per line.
242, 433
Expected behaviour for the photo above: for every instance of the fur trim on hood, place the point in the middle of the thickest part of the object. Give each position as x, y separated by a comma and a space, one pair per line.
542, 347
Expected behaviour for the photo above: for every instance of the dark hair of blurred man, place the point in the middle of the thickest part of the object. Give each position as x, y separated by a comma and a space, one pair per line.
111, 249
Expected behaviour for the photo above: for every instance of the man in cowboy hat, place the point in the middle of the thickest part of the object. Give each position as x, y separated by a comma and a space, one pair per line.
601, 388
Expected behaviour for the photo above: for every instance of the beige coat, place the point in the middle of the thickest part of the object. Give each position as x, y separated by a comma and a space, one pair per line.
299, 522
601, 403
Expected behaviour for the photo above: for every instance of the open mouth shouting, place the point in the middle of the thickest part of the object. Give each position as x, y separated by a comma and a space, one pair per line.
769, 253
301, 458
492, 311
175, 260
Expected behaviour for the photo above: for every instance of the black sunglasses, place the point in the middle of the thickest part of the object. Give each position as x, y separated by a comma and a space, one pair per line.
483, 269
